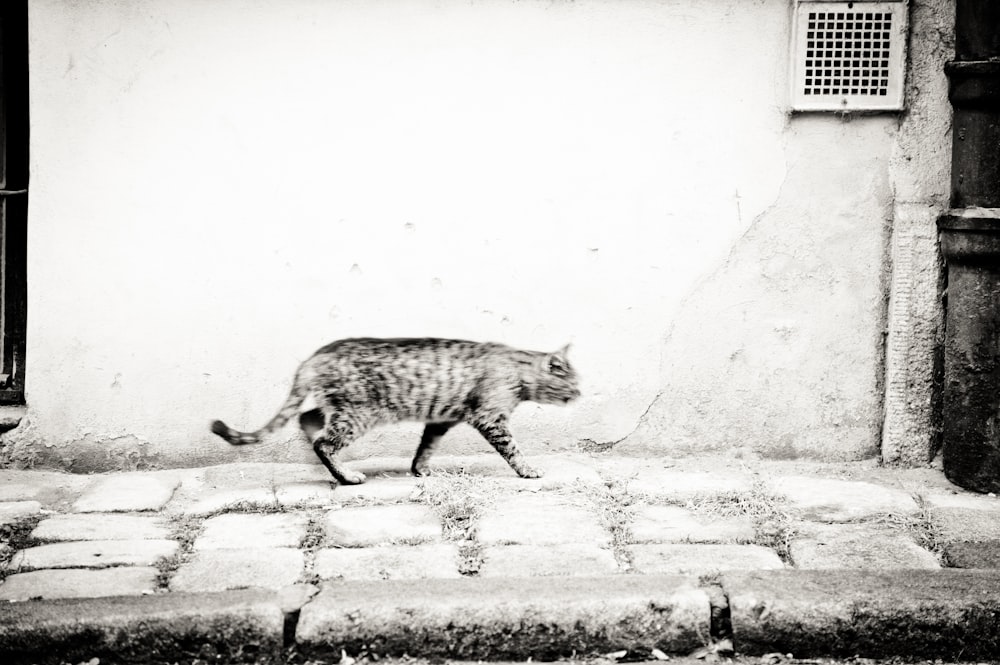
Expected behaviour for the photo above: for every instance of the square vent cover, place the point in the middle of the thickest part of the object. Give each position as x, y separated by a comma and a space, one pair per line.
849, 56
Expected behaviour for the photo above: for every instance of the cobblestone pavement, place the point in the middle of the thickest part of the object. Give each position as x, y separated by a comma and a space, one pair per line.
286, 529
273, 525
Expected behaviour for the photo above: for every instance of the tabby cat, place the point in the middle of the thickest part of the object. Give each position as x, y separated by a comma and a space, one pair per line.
361, 383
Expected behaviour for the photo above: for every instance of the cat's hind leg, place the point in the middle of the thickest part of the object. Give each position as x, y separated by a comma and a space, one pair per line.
334, 436
495, 430
312, 422
428, 441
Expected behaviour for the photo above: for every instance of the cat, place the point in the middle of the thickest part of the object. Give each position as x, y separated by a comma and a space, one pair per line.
363, 382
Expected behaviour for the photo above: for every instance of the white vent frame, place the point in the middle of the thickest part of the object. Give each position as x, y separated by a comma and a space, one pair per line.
849, 56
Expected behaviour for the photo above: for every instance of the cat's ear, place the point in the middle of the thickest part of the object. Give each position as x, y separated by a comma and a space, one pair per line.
558, 362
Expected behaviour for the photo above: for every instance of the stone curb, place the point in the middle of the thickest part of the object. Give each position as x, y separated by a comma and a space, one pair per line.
505, 619
231, 627
900, 614
479, 619
925, 614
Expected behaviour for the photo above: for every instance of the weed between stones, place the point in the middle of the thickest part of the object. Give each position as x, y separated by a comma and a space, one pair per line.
767, 510
614, 506
920, 527
185, 530
246, 506
365, 501
311, 542
16, 536
459, 500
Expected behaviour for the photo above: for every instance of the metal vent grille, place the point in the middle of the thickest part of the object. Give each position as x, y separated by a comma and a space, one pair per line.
849, 56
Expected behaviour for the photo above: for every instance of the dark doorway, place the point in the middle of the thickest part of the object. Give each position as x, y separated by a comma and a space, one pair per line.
13, 196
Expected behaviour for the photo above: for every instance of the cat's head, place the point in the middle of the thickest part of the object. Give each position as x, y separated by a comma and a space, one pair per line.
555, 380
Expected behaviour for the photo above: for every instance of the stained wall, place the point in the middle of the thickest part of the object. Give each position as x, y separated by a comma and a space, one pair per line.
218, 188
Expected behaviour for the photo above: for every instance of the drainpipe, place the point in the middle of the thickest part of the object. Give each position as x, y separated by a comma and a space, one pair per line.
970, 244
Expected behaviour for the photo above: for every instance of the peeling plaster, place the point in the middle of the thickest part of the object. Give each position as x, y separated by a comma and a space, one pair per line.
705, 406
24, 447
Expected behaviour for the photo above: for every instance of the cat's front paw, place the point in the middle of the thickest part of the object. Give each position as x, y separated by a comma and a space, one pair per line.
420, 471
351, 478
526, 471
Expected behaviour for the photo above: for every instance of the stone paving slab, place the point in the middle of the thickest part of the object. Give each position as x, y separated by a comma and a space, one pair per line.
232, 627
383, 490
12, 512
306, 494
921, 480
966, 524
673, 524
53, 489
541, 519
79, 583
250, 530
250, 568
695, 559
389, 562
961, 499
127, 493
559, 471
497, 619
681, 485
833, 500
245, 474
973, 555
215, 501
859, 546
363, 526
216, 489
99, 526
547, 560
946, 614
382, 467
283, 473
93, 554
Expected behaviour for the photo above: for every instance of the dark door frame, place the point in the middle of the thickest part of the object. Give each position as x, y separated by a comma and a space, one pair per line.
14, 130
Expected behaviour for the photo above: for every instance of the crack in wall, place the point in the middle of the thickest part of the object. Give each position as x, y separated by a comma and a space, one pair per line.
591, 446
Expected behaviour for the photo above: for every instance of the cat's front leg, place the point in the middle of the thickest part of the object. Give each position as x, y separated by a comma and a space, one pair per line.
495, 430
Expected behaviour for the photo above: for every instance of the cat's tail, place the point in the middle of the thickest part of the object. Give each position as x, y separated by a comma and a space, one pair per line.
288, 411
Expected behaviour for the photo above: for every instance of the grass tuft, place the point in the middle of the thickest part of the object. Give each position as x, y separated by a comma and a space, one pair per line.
14, 537
460, 499
313, 540
766, 509
248, 506
185, 529
920, 527
315, 534
615, 507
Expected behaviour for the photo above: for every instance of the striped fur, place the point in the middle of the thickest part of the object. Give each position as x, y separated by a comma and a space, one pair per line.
361, 383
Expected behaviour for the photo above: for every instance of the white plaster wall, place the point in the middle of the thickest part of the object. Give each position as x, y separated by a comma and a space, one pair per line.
219, 188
